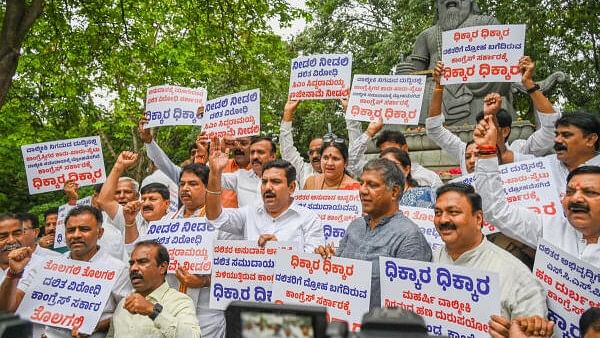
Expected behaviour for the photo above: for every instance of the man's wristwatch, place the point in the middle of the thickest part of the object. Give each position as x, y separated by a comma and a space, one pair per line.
156, 311
533, 89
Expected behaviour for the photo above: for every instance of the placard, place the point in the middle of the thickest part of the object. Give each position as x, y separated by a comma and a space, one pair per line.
235, 115
341, 285
336, 209
67, 293
423, 218
49, 165
59, 234
395, 98
454, 301
189, 242
320, 77
572, 286
483, 54
527, 184
243, 271
168, 105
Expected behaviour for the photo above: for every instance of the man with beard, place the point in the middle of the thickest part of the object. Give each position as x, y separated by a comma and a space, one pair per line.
538, 144
289, 151
241, 158
83, 229
459, 99
384, 230
246, 183
459, 219
154, 309
278, 217
576, 145
153, 205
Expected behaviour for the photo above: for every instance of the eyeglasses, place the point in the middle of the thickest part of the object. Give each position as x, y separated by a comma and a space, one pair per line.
331, 137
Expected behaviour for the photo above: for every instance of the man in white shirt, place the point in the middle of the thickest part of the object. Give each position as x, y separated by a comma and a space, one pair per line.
246, 182
538, 144
289, 151
576, 144
459, 219
83, 229
278, 217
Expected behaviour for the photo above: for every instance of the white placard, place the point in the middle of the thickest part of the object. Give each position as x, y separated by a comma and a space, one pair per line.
320, 77
482, 54
189, 242
235, 115
336, 209
67, 293
49, 165
572, 286
243, 271
423, 218
168, 105
444, 295
395, 98
341, 285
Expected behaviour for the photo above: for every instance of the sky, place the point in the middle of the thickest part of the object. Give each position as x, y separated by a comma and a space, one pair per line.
297, 25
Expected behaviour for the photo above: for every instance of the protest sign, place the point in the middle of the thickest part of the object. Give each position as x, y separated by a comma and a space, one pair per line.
572, 286
528, 184
63, 211
395, 98
320, 77
482, 54
49, 165
67, 293
341, 285
189, 242
423, 218
454, 301
243, 271
336, 209
168, 105
235, 115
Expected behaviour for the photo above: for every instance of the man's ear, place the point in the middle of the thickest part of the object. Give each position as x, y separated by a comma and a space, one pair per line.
396, 191
163, 268
591, 139
292, 187
404, 148
479, 215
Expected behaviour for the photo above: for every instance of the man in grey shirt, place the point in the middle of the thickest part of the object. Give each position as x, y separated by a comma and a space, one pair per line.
384, 231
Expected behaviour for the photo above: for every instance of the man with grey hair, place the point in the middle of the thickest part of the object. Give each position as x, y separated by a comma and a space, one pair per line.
384, 231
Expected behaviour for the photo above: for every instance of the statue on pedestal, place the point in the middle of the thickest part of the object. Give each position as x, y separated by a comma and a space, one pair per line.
461, 102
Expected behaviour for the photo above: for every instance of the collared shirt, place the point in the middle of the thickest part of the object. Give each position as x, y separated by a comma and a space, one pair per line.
537, 144
120, 290
291, 154
394, 236
521, 294
356, 162
246, 185
297, 224
159, 177
177, 318
524, 224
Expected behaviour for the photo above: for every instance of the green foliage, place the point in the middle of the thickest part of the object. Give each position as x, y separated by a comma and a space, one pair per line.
86, 65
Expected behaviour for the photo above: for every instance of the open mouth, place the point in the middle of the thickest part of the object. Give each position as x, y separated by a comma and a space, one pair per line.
11, 247
451, 4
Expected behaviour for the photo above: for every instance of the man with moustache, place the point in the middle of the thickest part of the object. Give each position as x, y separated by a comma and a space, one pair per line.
241, 157
246, 183
83, 229
575, 162
453, 14
154, 309
152, 207
50, 220
384, 230
459, 219
289, 151
278, 217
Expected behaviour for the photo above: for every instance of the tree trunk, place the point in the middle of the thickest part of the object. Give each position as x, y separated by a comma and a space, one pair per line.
18, 20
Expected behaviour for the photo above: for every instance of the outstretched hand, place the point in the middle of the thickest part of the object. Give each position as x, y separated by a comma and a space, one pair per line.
217, 158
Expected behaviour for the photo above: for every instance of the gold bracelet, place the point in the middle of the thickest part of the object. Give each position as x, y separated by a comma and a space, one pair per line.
213, 192
129, 225
438, 90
